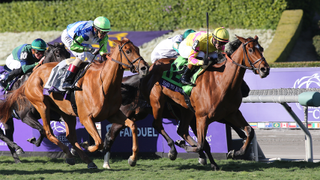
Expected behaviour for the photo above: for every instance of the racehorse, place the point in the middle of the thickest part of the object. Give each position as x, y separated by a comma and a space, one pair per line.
136, 108
216, 96
98, 99
55, 53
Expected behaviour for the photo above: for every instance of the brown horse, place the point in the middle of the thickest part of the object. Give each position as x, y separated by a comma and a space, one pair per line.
99, 99
216, 96
55, 53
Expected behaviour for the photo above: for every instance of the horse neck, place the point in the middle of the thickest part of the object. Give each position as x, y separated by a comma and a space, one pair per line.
233, 74
112, 74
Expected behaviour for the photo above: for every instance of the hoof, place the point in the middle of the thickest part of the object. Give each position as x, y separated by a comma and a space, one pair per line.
92, 165
215, 168
32, 140
70, 161
73, 152
230, 154
17, 161
172, 156
85, 145
20, 151
202, 161
106, 164
131, 162
180, 143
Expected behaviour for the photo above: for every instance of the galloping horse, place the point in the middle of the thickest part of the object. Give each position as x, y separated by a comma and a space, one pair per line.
55, 53
136, 108
99, 99
216, 96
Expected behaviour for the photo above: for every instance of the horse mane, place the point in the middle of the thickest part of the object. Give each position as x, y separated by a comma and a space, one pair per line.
233, 46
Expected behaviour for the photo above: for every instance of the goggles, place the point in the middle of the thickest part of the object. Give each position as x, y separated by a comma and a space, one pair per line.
219, 42
103, 33
39, 52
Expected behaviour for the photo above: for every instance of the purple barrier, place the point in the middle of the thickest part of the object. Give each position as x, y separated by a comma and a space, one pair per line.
151, 141
281, 78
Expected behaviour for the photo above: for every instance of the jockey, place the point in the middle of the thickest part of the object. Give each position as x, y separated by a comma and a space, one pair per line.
78, 37
23, 59
168, 48
194, 48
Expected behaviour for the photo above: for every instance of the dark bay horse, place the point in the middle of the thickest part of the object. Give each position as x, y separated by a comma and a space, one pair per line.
99, 99
216, 96
55, 53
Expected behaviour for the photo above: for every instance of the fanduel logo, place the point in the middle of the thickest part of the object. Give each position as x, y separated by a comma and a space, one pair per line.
142, 132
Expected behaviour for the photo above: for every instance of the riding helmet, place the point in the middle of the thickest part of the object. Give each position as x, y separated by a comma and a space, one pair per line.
39, 44
102, 23
221, 34
187, 32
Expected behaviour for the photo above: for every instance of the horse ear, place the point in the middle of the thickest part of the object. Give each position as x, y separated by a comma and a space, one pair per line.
125, 39
117, 41
243, 40
256, 37
49, 44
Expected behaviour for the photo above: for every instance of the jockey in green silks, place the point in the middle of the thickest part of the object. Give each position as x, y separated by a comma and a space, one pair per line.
23, 59
194, 49
78, 37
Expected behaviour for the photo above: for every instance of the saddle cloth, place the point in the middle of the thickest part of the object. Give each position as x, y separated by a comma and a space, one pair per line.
171, 78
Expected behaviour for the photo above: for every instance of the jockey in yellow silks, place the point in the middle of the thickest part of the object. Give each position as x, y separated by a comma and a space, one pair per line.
194, 49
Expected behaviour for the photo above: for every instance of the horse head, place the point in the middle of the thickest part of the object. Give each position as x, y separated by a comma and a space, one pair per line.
130, 58
252, 56
56, 53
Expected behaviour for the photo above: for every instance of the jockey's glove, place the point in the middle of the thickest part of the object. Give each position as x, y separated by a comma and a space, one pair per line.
91, 50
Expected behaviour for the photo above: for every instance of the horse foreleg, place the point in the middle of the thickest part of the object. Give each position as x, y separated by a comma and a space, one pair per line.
157, 103
109, 140
120, 118
43, 107
202, 127
70, 122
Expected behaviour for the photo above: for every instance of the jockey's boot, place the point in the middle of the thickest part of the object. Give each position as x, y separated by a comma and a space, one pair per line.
185, 78
10, 76
72, 70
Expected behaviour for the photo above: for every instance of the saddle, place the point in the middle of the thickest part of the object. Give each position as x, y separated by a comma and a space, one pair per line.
57, 77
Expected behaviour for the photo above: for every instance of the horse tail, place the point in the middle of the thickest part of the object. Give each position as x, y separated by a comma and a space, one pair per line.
16, 97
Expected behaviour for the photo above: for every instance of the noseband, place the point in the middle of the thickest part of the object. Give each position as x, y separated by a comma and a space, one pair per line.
245, 54
131, 65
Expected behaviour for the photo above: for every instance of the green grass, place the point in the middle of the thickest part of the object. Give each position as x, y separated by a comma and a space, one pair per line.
162, 168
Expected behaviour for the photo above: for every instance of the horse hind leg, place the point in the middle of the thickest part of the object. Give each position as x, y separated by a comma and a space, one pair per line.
33, 122
237, 122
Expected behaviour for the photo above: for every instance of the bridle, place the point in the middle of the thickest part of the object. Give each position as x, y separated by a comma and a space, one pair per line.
131, 65
245, 54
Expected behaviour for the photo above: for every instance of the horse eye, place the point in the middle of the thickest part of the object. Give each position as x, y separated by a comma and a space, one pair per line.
250, 50
128, 51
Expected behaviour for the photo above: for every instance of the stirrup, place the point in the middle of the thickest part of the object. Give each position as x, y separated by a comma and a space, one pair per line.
67, 85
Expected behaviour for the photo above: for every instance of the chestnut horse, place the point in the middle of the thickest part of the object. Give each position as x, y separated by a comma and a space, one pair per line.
216, 96
55, 53
136, 108
99, 99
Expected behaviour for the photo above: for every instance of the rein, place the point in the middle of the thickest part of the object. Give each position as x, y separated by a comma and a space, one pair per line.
130, 66
245, 54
